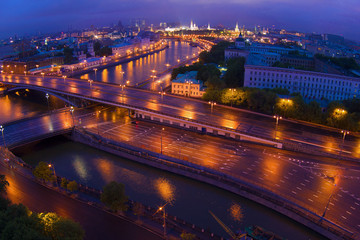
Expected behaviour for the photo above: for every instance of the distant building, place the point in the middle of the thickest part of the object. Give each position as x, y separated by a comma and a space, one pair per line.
187, 85
311, 85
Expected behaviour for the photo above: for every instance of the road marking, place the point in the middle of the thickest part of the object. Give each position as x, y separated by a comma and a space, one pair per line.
290, 173
277, 185
282, 181
352, 208
331, 203
339, 195
315, 195
298, 188
310, 200
307, 180
245, 172
311, 177
343, 217
303, 184
293, 192
348, 212
286, 177
261, 178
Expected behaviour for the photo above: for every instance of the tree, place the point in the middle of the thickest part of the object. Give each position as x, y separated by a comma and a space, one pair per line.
68, 55
114, 197
138, 209
3, 184
42, 171
234, 76
187, 236
97, 47
64, 183
72, 186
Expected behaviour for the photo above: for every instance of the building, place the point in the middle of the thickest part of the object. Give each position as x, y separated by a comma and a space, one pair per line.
187, 85
311, 85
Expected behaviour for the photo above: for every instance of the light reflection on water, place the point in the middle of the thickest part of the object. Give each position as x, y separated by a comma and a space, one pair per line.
153, 187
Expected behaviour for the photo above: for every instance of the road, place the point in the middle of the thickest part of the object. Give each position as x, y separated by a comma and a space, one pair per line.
261, 125
303, 179
96, 223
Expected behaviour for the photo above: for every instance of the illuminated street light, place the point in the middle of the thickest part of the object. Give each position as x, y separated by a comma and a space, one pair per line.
72, 115
162, 93
277, 123
90, 82
47, 99
344, 132
161, 140
339, 113
2, 133
52, 166
64, 78
232, 90
122, 87
43, 75
95, 69
212, 103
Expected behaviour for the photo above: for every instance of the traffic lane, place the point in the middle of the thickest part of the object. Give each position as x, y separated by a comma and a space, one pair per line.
227, 117
96, 223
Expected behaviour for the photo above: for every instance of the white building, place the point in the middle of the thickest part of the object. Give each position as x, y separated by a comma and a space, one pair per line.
187, 85
311, 85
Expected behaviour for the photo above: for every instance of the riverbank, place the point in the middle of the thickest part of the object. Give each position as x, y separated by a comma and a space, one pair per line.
223, 181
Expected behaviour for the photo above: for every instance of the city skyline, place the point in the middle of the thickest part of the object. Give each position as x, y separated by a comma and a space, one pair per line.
305, 16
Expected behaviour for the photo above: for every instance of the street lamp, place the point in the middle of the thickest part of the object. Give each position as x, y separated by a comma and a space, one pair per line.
344, 132
90, 82
64, 78
43, 75
277, 117
2, 133
162, 93
52, 166
72, 115
212, 103
232, 90
162, 208
95, 69
98, 118
161, 140
47, 99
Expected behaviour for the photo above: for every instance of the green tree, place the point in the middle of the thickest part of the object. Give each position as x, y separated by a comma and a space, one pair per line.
138, 209
114, 197
68, 55
3, 184
214, 82
97, 47
42, 171
234, 76
105, 51
64, 183
72, 186
187, 236
67, 229
261, 100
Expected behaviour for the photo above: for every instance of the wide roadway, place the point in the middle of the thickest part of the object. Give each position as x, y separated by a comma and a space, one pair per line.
96, 223
249, 122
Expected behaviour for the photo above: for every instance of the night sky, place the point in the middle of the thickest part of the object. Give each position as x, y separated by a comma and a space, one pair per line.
322, 16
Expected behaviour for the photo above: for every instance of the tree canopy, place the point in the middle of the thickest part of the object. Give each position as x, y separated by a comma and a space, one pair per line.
114, 197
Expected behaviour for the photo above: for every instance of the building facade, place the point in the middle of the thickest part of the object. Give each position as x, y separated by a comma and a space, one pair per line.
187, 85
311, 85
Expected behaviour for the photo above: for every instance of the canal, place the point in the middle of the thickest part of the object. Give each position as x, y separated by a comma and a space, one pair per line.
193, 200
139, 70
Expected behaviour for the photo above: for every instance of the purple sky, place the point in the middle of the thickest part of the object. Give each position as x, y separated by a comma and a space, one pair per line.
323, 16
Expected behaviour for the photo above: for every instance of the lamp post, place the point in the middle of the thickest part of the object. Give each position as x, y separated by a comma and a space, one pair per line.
52, 166
95, 69
43, 75
122, 87
162, 93
98, 118
212, 103
2, 133
90, 82
47, 99
64, 78
232, 90
72, 115
344, 132
161, 140
277, 117
162, 208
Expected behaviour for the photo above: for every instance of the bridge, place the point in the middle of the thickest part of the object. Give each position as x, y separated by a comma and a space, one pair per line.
114, 95
196, 115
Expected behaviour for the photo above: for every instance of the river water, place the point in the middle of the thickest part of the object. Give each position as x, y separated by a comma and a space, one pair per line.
193, 200
139, 70
95, 168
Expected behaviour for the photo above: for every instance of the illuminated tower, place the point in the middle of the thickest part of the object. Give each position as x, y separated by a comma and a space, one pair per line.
237, 27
